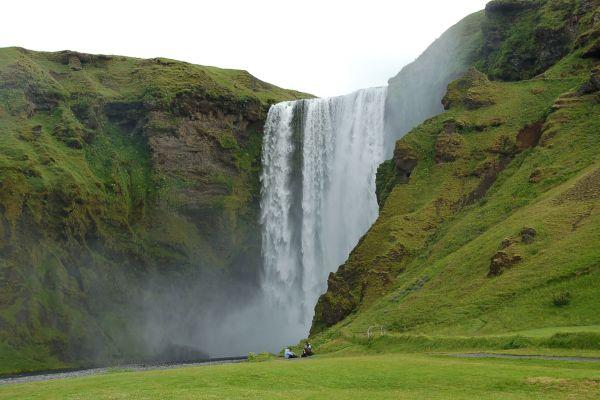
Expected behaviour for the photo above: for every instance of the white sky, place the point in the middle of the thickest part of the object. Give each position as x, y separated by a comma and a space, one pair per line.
325, 47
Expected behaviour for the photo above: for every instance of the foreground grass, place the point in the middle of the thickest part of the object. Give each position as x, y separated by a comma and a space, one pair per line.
363, 377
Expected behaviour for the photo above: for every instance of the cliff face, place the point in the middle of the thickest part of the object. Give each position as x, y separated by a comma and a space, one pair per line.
488, 211
119, 179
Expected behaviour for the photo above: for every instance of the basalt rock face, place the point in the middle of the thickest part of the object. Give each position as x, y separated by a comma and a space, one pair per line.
500, 160
522, 38
119, 178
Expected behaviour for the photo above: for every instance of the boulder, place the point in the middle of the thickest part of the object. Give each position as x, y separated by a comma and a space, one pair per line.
501, 261
528, 235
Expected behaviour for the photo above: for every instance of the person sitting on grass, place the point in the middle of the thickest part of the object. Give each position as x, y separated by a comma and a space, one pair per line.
289, 354
307, 352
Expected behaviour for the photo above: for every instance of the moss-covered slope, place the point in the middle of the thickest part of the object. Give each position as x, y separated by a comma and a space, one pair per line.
489, 217
116, 172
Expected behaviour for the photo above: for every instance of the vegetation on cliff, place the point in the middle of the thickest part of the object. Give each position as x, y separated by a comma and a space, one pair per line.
495, 229
117, 174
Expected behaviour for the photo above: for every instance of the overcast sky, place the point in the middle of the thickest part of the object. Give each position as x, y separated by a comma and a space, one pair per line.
323, 47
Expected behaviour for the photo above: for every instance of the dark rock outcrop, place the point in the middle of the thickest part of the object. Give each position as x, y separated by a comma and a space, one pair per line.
501, 261
529, 136
509, 6
528, 235
335, 305
592, 85
448, 147
405, 160
523, 38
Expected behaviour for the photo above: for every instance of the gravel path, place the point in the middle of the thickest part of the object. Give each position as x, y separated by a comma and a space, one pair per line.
46, 376
526, 356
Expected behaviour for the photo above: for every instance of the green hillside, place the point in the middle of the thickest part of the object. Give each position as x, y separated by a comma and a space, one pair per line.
118, 178
489, 212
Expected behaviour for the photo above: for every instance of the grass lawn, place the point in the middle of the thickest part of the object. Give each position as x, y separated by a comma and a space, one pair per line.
389, 376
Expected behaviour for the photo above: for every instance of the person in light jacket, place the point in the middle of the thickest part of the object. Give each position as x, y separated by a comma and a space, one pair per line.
289, 354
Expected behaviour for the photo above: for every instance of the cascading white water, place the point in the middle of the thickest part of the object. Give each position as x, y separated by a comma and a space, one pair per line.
320, 157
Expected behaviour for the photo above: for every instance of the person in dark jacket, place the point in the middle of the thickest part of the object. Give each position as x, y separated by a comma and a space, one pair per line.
307, 352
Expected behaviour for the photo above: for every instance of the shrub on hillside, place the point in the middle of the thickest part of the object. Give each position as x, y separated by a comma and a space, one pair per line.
561, 299
516, 342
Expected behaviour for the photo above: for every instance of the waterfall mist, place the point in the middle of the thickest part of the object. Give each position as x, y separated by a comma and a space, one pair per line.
415, 93
319, 157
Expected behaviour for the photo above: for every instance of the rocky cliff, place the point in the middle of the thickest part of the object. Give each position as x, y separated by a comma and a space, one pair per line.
120, 180
488, 211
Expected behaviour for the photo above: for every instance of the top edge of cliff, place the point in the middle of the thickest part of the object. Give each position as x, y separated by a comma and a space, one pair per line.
168, 74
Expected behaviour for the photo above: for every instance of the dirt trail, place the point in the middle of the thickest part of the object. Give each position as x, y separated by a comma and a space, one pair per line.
526, 356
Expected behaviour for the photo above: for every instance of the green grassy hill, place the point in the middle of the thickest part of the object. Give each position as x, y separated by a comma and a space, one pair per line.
119, 177
490, 219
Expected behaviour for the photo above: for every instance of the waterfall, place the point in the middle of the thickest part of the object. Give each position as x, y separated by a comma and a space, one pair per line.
320, 157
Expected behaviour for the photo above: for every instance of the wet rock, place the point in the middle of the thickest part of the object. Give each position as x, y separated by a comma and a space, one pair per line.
405, 160
336, 304
501, 261
125, 114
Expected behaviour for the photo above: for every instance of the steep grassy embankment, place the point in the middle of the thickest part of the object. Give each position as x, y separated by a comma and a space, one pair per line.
490, 217
119, 178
